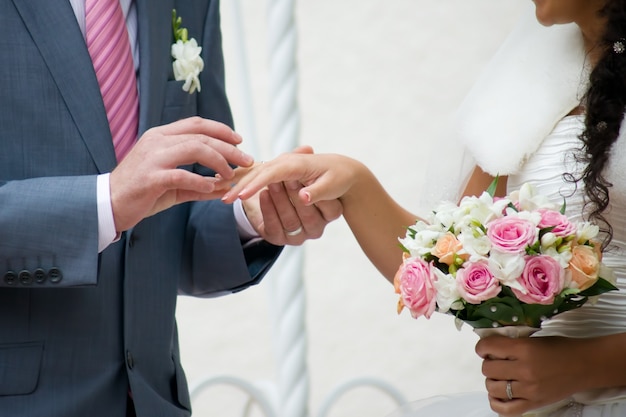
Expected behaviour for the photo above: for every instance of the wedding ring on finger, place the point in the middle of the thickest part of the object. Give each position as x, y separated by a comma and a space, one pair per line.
294, 232
509, 390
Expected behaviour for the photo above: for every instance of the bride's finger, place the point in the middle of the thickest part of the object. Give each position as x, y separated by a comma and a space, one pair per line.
325, 187
330, 210
276, 171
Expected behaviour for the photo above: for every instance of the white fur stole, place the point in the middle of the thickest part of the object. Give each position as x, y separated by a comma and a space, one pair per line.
537, 76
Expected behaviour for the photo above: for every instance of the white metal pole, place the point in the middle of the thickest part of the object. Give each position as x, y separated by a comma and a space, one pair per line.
288, 291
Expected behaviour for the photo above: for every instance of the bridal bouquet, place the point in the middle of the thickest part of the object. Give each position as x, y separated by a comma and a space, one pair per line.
493, 262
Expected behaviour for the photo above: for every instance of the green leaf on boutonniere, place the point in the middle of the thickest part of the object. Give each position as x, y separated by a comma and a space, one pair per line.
188, 63
180, 34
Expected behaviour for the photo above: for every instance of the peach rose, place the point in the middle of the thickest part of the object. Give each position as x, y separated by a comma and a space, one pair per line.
585, 266
446, 248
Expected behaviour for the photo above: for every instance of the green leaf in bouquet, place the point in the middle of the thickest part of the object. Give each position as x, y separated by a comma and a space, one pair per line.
491, 190
545, 230
512, 206
599, 287
404, 249
534, 249
537, 313
505, 310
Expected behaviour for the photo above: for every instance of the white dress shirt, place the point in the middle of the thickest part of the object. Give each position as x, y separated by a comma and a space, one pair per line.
106, 223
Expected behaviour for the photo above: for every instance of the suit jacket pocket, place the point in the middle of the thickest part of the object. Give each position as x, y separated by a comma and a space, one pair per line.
19, 367
179, 104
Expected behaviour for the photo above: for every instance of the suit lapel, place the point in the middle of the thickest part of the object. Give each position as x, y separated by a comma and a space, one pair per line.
54, 29
155, 40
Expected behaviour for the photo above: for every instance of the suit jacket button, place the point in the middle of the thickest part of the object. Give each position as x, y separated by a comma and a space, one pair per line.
130, 361
131, 240
55, 275
25, 277
10, 278
40, 275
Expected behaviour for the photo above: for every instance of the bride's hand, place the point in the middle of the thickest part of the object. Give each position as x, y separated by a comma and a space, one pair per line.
279, 216
541, 371
323, 176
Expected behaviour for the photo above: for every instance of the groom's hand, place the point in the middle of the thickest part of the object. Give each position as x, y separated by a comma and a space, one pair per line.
149, 180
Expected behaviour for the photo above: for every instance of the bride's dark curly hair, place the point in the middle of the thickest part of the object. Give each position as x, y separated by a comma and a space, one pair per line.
605, 103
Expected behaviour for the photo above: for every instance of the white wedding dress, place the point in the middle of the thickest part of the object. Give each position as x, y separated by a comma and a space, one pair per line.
544, 169
515, 122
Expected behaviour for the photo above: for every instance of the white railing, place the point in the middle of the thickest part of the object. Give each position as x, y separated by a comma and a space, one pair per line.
289, 395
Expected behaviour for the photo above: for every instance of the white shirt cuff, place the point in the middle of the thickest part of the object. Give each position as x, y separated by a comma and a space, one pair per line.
245, 229
106, 224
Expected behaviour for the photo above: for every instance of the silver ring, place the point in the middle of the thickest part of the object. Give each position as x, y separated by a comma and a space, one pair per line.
294, 232
509, 390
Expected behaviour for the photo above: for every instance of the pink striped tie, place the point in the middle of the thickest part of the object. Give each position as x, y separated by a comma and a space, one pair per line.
109, 47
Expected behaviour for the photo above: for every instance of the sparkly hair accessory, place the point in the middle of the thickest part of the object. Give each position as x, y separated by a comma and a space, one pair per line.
619, 47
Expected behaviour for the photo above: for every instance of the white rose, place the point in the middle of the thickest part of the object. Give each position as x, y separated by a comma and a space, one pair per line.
447, 292
422, 243
480, 209
507, 268
528, 199
476, 245
187, 64
445, 215
532, 216
587, 231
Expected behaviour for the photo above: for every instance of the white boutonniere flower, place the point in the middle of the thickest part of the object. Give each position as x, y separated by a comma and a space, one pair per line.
187, 63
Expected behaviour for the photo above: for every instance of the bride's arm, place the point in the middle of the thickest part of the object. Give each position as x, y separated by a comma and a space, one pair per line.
376, 220
479, 181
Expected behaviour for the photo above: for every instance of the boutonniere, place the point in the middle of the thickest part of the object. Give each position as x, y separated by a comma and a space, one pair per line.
187, 63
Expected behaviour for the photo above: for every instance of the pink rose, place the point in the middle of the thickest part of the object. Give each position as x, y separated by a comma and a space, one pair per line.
476, 283
543, 278
414, 282
511, 234
561, 225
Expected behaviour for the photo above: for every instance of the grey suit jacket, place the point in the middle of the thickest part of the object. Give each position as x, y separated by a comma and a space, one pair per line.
78, 330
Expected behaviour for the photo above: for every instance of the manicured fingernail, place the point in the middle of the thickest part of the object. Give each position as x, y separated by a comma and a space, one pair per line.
307, 197
237, 137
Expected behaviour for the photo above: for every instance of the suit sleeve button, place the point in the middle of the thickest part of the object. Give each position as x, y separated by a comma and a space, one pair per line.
25, 277
10, 278
40, 275
55, 275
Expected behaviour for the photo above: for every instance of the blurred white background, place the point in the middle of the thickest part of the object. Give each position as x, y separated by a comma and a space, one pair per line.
379, 80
